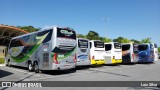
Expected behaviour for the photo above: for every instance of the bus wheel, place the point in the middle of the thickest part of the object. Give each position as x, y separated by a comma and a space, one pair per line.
9, 63
36, 68
30, 67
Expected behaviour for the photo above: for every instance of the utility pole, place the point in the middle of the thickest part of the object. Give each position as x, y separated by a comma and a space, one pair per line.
105, 23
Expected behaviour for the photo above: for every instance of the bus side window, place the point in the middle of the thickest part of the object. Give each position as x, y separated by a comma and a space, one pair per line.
90, 44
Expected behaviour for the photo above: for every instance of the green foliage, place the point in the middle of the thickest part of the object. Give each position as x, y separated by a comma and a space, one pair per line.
106, 40
159, 49
2, 60
146, 40
29, 28
121, 40
125, 40
81, 36
135, 41
92, 35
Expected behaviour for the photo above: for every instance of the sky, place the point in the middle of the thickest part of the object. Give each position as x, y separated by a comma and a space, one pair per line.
132, 19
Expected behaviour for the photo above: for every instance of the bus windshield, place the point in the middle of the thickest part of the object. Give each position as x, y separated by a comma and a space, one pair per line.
98, 44
66, 33
142, 47
117, 45
82, 43
125, 47
108, 47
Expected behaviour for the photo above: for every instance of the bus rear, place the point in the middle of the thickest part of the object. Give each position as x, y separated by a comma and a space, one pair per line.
155, 50
64, 49
82, 52
117, 53
97, 52
108, 53
129, 53
126, 53
145, 53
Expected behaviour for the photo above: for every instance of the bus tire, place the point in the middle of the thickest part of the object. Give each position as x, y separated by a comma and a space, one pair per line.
9, 63
36, 67
30, 66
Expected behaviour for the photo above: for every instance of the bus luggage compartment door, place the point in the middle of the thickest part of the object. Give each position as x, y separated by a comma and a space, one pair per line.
45, 60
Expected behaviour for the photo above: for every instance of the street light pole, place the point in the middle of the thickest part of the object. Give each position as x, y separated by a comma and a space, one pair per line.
105, 23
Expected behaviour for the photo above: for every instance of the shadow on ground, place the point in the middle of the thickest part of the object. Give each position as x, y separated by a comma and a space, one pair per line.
4, 73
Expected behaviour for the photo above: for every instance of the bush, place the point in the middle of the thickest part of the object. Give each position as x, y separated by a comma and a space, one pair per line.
1, 60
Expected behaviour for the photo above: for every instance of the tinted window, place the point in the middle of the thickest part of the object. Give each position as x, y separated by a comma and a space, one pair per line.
15, 43
142, 47
66, 33
135, 48
117, 45
98, 44
155, 45
48, 37
125, 47
82, 43
108, 47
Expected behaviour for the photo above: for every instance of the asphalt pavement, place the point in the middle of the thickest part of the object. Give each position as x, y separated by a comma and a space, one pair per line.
120, 72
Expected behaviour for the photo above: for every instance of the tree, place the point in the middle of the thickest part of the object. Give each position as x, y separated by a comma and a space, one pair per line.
119, 39
146, 40
106, 40
122, 40
125, 40
81, 36
92, 35
159, 49
28, 28
135, 41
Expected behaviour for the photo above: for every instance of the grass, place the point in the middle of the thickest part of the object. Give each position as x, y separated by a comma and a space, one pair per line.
1, 60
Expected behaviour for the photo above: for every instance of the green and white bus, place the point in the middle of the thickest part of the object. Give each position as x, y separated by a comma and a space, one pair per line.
53, 48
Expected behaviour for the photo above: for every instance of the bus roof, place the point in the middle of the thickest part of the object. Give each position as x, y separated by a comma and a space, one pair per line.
83, 39
111, 42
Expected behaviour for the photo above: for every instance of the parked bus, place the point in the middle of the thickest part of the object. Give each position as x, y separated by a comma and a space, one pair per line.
129, 53
113, 53
53, 48
82, 54
97, 52
155, 51
147, 52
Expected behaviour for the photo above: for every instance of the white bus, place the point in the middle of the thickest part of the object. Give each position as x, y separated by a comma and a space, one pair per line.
53, 48
153, 45
82, 52
113, 53
97, 52
129, 53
